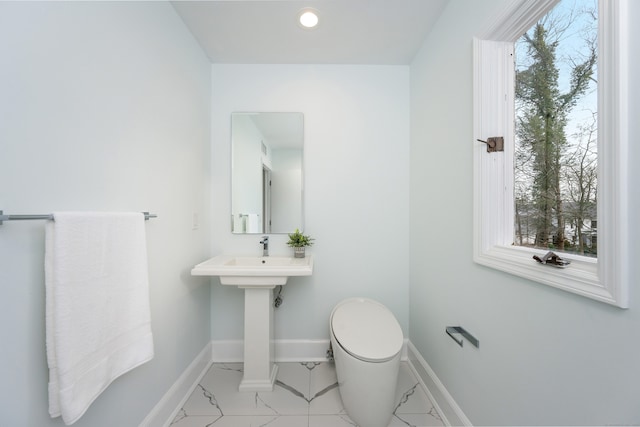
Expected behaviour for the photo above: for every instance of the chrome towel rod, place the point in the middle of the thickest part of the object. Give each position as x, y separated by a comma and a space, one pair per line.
3, 217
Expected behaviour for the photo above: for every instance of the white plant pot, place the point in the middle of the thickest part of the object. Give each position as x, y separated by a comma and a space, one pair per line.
299, 252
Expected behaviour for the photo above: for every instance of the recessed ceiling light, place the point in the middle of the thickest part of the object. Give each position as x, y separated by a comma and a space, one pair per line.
308, 18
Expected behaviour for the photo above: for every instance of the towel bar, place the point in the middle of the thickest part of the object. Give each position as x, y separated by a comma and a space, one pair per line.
460, 330
3, 217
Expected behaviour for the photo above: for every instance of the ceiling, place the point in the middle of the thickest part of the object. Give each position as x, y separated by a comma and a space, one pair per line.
380, 32
281, 130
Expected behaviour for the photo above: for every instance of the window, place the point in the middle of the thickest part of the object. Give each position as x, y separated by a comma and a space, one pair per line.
605, 278
555, 162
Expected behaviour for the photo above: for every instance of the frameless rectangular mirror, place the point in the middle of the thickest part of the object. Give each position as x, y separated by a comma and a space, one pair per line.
266, 172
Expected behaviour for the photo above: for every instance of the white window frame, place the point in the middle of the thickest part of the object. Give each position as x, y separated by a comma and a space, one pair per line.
605, 279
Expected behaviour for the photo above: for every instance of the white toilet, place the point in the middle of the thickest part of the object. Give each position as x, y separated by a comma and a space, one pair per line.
367, 341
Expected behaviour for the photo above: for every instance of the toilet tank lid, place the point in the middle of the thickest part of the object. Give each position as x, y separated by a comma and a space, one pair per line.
367, 329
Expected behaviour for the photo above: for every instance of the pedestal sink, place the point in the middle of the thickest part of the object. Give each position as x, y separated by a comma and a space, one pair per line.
257, 276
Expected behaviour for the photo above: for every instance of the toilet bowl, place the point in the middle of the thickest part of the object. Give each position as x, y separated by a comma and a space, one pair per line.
366, 340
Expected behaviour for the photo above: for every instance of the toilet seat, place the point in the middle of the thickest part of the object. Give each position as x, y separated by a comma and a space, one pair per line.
366, 329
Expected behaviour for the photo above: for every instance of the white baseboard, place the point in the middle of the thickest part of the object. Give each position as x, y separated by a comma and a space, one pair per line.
166, 409
446, 406
228, 351
301, 350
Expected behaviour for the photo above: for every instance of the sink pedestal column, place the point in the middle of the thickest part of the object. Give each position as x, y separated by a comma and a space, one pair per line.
260, 371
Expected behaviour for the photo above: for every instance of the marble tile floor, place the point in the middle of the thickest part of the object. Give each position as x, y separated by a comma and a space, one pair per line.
305, 395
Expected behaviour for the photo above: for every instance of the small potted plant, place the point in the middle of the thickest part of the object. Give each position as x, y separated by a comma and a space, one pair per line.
299, 242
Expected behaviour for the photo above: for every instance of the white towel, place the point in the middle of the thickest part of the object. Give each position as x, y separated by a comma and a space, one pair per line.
97, 305
238, 223
253, 223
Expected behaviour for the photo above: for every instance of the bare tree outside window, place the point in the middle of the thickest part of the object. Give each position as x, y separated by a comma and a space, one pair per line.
556, 131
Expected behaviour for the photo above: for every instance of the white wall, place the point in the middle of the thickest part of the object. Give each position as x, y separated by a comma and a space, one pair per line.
247, 168
286, 184
356, 182
103, 106
546, 356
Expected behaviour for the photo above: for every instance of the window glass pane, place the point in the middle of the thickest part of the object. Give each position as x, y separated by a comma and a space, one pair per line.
556, 131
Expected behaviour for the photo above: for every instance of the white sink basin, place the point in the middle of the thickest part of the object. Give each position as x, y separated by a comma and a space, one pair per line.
248, 271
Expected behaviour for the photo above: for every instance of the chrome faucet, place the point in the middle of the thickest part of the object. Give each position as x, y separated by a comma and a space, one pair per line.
265, 245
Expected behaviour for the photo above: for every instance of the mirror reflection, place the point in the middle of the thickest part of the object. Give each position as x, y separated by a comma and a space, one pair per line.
267, 172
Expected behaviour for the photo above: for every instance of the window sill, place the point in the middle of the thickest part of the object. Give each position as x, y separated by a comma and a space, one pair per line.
580, 277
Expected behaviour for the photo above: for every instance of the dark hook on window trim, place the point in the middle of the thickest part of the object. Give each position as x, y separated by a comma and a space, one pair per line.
495, 143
